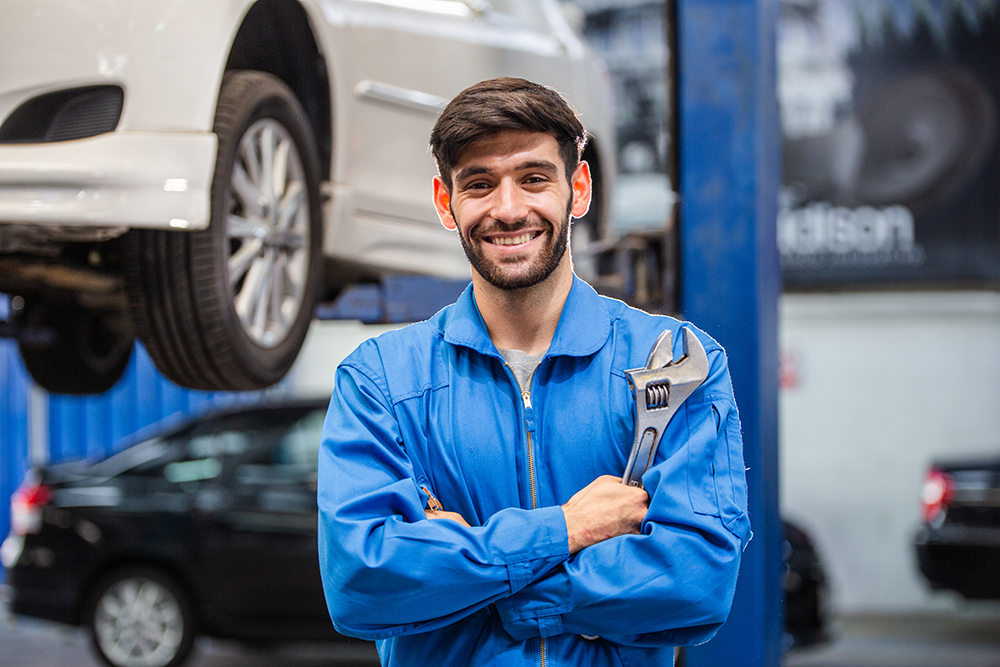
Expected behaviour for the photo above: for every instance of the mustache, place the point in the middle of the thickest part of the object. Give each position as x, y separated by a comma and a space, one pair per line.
497, 227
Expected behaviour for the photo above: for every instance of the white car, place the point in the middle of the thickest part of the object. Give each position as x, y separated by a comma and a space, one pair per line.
198, 174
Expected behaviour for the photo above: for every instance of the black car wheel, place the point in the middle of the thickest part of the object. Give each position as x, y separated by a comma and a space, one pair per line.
138, 617
228, 307
69, 349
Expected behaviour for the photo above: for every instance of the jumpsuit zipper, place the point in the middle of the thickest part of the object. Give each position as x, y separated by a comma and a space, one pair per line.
526, 398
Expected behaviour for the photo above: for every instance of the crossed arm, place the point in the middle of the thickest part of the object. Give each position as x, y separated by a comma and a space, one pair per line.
603, 509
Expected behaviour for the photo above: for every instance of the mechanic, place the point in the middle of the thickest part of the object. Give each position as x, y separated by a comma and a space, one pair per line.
470, 495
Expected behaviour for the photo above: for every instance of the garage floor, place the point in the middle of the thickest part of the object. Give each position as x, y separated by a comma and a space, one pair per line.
863, 641
908, 641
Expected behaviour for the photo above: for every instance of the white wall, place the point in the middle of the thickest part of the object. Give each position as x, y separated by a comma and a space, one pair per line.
326, 345
876, 386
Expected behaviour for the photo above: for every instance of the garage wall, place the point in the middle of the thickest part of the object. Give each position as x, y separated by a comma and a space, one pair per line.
875, 386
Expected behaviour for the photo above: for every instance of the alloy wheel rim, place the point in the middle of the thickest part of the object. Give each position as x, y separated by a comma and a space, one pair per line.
267, 229
139, 623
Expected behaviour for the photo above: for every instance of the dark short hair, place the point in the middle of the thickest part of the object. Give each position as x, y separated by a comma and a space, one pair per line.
492, 106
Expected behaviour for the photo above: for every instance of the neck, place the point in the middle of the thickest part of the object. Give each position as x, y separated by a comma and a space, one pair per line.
524, 319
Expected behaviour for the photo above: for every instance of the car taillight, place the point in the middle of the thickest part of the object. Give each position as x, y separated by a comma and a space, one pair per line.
937, 494
26, 507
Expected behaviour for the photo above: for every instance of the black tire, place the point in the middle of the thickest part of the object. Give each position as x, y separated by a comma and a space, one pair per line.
139, 617
69, 349
205, 324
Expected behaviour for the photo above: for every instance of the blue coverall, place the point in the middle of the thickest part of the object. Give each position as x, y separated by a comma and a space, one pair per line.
431, 414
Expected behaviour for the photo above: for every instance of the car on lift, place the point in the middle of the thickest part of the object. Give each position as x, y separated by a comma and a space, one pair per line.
209, 528
198, 175
958, 543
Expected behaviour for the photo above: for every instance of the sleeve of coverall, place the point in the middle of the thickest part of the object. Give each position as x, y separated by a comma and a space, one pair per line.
386, 568
672, 584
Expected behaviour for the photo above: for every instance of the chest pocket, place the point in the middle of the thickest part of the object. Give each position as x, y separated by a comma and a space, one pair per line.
716, 475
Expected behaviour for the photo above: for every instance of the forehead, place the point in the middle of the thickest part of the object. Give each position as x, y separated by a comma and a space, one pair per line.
508, 149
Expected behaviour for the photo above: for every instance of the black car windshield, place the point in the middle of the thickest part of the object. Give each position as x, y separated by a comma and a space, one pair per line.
135, 457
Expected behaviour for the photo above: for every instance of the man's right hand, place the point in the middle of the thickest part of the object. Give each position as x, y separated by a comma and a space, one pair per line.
603, 509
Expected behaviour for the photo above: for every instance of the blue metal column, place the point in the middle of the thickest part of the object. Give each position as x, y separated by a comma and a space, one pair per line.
730, 278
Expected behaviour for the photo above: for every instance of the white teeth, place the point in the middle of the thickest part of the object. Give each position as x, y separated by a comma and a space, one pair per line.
515, 240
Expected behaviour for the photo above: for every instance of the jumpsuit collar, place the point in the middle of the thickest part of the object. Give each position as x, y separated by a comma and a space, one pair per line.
583, 328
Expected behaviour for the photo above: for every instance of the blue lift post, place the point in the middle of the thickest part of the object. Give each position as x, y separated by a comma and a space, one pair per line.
729, 175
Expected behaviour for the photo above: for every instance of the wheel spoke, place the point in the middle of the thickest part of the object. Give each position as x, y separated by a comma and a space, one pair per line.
279, 295
248, 150
245, 300
290, 204
247, 192
112, 608
240, 261
149, 595
262, 302
295, 273
266, 181
280, 170
240, 227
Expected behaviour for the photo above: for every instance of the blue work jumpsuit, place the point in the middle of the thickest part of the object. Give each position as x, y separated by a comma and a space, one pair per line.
431, 414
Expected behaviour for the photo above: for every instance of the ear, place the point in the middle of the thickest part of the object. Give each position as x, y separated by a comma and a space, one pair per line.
442, 202
581, 190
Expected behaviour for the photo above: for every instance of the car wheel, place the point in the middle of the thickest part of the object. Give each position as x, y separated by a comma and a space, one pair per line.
138, 617
69, 349
228, 307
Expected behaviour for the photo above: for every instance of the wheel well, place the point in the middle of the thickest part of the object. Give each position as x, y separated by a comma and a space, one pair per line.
167, 567
276, 37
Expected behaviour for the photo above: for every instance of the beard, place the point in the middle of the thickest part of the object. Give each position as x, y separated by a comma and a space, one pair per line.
506, 275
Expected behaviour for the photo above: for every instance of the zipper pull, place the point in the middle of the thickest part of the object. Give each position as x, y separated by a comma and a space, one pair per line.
432, 502
526, 397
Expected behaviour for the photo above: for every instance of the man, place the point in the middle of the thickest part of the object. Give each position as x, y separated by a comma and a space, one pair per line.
471, 509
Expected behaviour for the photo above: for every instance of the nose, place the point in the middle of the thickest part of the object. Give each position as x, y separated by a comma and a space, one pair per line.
509, 204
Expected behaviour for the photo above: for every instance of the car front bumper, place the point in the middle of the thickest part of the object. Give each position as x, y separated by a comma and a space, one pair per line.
157, 180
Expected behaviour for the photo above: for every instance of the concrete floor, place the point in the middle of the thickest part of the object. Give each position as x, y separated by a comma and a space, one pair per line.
954, 640
958, 640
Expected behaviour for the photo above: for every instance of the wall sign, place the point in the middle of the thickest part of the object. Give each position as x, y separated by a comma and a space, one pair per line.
890, 115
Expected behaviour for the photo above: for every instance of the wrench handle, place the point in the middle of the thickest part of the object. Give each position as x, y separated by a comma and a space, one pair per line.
641, 457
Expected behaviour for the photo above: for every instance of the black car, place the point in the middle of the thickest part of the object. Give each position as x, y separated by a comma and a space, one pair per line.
805, 590
210, 528
958, 544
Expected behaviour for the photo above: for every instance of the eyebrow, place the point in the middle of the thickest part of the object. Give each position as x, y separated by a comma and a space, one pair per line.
538, 165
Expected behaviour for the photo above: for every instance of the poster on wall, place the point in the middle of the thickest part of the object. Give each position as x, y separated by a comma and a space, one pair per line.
890, 112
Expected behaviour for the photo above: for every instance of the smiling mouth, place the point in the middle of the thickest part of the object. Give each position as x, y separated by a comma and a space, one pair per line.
514, 240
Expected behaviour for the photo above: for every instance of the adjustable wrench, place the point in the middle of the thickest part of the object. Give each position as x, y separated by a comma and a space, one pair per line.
660, 388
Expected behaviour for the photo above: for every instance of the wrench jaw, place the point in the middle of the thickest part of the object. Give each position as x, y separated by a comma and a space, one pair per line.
659, 391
